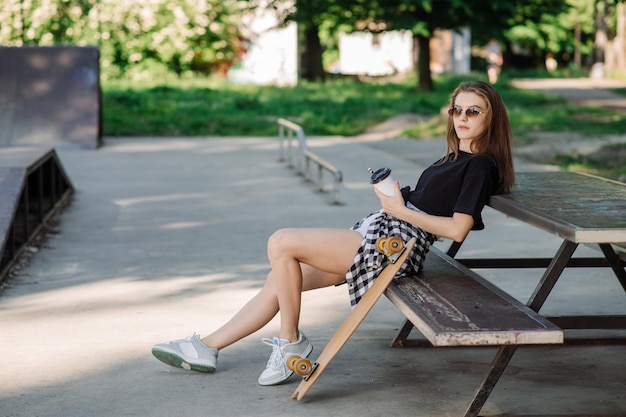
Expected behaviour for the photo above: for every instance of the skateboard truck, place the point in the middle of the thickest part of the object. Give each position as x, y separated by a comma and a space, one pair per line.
315, 365
391, 246
301, 366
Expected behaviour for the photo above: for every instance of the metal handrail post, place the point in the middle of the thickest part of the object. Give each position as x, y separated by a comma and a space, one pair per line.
305, 157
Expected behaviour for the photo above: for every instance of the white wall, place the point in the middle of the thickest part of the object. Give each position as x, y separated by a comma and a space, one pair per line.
272, 54
380, 54
364, 53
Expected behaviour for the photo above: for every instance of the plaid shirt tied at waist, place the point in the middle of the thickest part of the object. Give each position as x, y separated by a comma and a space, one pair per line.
369, 262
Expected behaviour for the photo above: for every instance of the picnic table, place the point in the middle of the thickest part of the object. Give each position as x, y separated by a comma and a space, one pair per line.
579, 209
452, 305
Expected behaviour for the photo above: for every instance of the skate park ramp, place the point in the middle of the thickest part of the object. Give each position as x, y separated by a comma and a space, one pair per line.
50, 97
33, 186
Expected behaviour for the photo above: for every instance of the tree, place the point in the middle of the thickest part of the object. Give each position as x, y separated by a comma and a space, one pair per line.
311, 16
615, 50
182, 36
423, 17
487, 19
540, 26
578, 20
187, 35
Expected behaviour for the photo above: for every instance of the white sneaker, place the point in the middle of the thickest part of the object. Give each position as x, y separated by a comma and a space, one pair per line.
190, 353
277, 371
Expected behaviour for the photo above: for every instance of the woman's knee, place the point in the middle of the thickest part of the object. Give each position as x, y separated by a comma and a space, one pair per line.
280, 242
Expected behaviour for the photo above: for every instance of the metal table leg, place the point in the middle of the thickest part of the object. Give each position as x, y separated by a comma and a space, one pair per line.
615, 263
505, 353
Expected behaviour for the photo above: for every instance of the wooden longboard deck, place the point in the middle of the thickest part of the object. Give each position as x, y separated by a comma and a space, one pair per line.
354, 319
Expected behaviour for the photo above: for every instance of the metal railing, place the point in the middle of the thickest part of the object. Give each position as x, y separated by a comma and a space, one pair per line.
302, 161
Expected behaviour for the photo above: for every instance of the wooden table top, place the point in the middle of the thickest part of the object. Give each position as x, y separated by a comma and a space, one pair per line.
577, 207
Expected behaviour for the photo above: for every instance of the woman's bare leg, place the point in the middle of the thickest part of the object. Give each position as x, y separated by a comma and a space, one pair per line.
253, 316
301, 260
331, 251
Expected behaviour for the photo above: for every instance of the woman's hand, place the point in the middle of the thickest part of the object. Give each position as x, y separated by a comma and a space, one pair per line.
456, 227
394, 205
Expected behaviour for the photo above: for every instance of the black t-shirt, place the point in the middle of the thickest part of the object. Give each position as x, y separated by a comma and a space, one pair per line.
460, 186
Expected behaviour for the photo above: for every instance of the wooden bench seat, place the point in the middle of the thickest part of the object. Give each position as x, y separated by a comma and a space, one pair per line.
453, 306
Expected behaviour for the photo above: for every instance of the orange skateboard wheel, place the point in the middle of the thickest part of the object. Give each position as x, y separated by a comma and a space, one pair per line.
291, 363
303, 366
394, 244
381, 245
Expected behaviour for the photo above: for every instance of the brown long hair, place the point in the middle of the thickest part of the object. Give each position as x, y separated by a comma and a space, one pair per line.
496, 140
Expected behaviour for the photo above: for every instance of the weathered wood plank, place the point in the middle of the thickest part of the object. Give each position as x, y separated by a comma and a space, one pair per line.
453, 306
578, 207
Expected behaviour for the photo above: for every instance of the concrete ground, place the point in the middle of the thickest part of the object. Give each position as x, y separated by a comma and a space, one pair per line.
166, 237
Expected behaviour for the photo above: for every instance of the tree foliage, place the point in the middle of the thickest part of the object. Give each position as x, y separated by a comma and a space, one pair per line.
318, 22
179, 36
423, 17
560, 29
150, 37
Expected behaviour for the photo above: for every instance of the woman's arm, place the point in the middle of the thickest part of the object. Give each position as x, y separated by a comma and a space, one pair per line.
456, 227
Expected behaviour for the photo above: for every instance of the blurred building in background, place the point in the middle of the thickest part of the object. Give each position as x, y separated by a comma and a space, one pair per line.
271, 55
387, 53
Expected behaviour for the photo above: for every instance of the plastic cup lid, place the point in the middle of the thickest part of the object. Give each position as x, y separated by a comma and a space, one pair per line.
380, 175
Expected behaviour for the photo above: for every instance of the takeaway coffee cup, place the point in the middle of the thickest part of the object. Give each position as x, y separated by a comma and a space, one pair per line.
383, 181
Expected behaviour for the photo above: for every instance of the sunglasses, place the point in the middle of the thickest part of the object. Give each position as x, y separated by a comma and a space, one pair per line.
470, 112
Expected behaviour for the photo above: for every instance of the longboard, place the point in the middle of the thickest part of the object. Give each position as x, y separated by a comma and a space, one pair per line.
354, 319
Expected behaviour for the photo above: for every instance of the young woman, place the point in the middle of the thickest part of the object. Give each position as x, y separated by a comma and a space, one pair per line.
446, 202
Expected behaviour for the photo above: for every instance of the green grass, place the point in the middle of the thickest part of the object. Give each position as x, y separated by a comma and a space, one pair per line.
338, 107
621, 91
608, 162
205, 107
